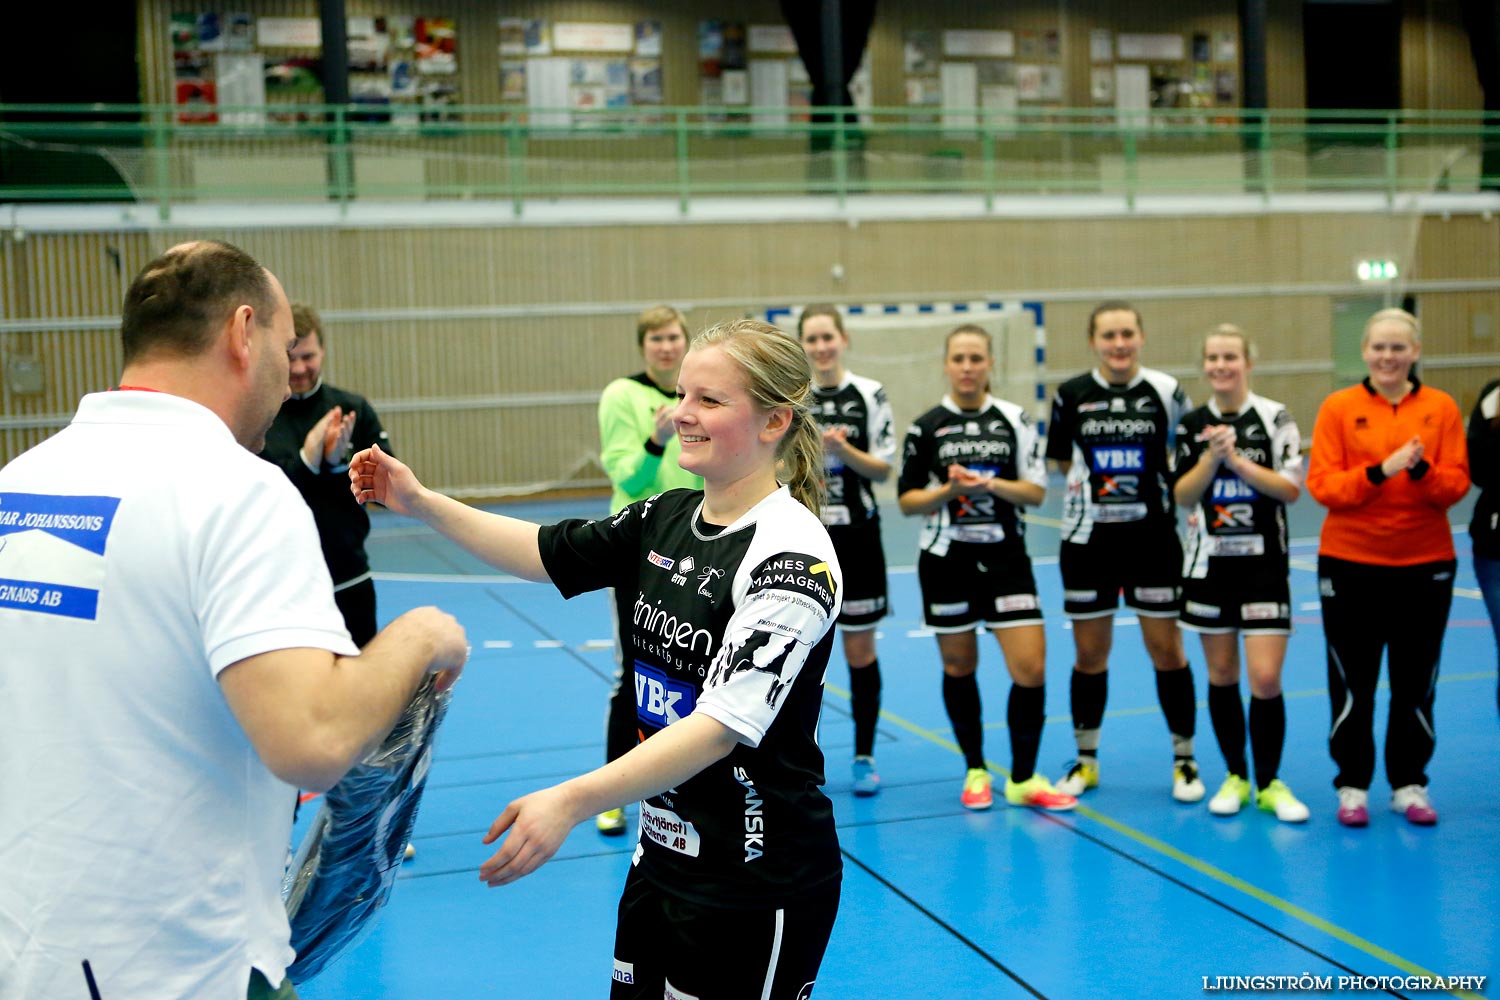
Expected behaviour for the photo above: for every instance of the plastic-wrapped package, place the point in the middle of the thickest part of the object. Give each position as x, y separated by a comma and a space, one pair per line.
347, 863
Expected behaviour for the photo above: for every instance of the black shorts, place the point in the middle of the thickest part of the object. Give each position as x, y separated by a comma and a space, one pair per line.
863, 561
977, 583
668, 947
1144, 563
1248, 595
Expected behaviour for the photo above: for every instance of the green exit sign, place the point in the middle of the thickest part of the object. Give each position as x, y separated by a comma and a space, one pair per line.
1376, 270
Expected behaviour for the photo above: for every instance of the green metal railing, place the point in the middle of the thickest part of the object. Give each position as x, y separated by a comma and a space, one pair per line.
345, 154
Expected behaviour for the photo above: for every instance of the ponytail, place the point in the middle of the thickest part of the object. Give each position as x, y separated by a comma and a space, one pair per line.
801, 465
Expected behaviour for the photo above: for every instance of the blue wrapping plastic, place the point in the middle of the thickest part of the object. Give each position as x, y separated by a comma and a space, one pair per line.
347, 864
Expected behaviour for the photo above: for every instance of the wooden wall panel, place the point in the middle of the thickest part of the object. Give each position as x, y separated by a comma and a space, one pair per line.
1437, 66
499, 339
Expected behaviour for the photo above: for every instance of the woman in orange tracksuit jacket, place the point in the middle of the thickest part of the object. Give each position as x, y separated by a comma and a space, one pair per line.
1388, 460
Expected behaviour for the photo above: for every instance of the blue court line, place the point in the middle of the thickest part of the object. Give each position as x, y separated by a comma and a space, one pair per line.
954, 931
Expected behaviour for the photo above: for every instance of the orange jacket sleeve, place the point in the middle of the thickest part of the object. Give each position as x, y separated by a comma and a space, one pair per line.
1447, 477
1333, 477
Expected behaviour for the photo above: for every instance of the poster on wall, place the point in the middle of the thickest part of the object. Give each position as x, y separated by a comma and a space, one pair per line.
645, 81
240, 82
369, 45
1051, 87
772, 39
920, 53
288, 33
1151, 48
1101, 46
538, 38
648, 39
513, 81
960, 82
197, 97
1101, 85
512, 36
1000, 44
710, 62
437, 46
1224, 89
768, 89
617, 83
547, 84
576, 36
736, 86
1029, 82
293, 77
239, 32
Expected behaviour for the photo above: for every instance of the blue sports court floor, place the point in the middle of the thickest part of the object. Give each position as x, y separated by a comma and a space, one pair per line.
1133, 895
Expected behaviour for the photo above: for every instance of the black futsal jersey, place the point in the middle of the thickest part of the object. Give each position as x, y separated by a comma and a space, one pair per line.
1234, 521
1119, 439
859, 406
735, 623
998, 439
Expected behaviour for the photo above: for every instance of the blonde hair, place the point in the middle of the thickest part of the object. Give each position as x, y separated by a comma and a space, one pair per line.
1400, 315
777, 373
1230, 330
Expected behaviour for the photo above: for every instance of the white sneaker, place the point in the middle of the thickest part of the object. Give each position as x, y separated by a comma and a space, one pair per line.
1354, 806
1186, 785
1412, 801
1231, 796
1081, 776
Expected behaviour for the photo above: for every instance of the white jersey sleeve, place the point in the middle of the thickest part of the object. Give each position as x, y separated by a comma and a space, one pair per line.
882, 433
1286, 439
787, 595
1031, 464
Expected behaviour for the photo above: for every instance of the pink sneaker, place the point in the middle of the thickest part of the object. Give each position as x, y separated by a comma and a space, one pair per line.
1354, 807
1412, 801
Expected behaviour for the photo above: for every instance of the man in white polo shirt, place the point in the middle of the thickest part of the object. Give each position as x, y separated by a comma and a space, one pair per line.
174, 660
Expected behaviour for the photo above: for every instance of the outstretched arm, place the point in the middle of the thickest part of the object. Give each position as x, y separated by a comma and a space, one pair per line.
507, 543
539, 822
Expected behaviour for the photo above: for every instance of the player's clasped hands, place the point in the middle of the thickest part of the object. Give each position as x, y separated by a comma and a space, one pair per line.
1221, 440
967, 480
328, 440
1405, 457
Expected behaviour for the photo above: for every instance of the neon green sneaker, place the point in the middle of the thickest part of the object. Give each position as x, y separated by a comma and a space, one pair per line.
611, 822
1231, 796
1037, 792
977, 794
1277, 798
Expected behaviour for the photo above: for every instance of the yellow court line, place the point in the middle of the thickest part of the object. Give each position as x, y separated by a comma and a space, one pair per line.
1197, 864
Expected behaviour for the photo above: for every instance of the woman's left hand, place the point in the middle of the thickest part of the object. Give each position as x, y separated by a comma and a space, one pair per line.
538, 824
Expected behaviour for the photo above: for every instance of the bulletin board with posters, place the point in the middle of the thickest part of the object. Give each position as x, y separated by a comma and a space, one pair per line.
400, 68
1163, 71
955, 71
778, 84
579, 65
